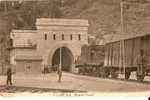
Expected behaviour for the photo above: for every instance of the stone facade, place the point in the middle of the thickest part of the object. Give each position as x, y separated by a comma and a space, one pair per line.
36, 48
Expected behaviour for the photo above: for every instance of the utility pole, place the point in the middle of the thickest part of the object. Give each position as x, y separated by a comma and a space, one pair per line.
60, 65
122, 32
5, 6
121, 6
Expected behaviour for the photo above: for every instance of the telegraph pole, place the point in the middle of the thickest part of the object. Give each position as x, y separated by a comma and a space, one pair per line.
121, 6
122, 32
60, 64
5, 6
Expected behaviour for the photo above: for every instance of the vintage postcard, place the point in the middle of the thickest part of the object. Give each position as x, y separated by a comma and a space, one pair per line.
75, 47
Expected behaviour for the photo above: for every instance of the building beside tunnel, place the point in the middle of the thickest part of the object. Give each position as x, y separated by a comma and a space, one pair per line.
32, 50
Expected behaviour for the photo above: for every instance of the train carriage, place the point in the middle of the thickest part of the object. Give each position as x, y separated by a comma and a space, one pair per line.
121, 52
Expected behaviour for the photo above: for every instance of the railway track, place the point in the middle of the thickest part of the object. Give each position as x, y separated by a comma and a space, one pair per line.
131, 80
146, 82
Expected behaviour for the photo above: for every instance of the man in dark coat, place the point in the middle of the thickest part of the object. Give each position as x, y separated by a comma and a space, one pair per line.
9, 76
59, 72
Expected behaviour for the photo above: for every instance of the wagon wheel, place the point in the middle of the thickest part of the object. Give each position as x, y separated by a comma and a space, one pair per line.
127, 75
101, 72
140, 77
140, 73
114, 74
80, 71
105, 73
84, 71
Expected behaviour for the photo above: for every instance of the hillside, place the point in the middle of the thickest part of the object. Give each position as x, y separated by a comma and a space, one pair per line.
103, 15
16, 15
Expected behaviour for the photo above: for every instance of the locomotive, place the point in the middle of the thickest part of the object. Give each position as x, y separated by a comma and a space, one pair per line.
91, 60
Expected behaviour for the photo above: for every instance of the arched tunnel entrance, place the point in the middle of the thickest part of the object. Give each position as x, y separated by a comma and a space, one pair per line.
66, 58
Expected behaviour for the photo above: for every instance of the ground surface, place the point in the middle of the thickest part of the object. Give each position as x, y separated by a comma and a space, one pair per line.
71, 83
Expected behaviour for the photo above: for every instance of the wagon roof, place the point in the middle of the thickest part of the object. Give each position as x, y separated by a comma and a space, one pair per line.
125, 36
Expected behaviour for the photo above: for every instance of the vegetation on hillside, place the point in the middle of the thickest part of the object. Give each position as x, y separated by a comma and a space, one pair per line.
103, 15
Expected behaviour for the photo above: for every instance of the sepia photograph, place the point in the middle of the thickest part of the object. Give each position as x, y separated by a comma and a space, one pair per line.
75, 48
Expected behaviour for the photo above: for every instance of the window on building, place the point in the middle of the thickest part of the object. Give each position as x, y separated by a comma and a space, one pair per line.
79, 37
45, 36
63, 37
71, 37
54, 37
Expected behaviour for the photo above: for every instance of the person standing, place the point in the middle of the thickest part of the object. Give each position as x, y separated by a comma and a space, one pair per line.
59, 72
141, 62
9, 76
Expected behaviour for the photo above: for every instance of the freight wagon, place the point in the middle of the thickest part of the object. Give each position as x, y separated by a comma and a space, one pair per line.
121, 52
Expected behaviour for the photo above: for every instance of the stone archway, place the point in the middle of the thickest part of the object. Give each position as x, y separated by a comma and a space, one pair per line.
66, 58
74, 53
